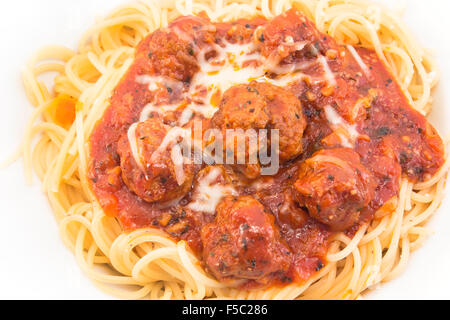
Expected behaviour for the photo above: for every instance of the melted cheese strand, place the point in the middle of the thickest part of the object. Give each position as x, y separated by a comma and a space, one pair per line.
337, 122
359, 60
133, 145
208, 195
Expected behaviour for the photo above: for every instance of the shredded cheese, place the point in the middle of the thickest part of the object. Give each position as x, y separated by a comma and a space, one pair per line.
169, 141
329, 75
178, 162
208, 194
359, 60
133, 145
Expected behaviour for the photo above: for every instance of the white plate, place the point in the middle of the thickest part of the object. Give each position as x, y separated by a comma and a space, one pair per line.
34, 264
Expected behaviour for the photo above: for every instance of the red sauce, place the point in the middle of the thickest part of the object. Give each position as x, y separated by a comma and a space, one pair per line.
390, 129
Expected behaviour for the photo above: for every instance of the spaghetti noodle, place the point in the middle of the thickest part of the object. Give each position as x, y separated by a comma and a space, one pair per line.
146, 262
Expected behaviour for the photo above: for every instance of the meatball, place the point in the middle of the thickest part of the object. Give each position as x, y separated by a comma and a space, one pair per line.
334, 187
262, 106
166, 54
198, 30
154, 176
173, 51
243, 241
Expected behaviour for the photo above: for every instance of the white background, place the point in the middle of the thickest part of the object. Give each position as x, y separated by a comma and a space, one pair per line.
34, 264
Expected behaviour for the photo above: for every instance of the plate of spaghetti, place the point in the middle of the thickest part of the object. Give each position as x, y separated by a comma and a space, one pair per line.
252, 149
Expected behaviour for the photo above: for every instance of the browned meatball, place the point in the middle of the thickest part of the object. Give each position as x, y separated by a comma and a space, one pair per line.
198, 30
155, 177
166, 54
262, 106
243, 241
335, 187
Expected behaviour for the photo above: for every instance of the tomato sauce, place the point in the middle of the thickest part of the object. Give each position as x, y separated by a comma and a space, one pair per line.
392, 135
